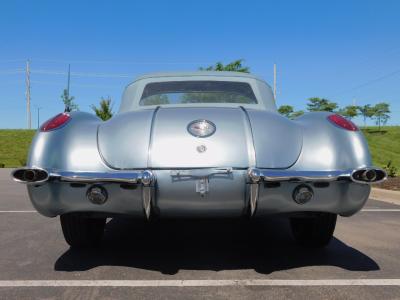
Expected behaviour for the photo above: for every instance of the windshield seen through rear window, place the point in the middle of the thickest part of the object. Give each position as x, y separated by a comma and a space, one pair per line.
182, 92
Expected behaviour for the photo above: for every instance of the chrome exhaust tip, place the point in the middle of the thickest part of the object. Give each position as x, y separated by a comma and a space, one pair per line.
302, 194
369, 175
27, 175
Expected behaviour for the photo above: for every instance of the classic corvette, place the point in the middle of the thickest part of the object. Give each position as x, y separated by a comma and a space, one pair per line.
200, 144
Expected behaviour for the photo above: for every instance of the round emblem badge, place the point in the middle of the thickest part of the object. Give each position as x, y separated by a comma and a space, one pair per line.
201, 128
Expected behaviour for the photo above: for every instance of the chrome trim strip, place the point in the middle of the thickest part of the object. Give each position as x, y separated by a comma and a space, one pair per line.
251, 150
89, 177
308, 176
149, 149
281, 175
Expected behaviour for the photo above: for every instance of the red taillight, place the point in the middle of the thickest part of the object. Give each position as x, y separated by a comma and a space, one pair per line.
343, 122
55, 122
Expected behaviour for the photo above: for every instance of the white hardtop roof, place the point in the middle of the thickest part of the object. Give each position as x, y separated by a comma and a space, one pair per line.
261, 89
198, 73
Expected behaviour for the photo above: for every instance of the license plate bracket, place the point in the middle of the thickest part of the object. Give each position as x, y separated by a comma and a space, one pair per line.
202, 186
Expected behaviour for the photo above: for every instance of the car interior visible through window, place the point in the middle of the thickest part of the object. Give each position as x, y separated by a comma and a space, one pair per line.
200, 91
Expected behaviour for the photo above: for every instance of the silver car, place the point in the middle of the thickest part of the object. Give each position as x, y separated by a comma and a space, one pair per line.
198, 145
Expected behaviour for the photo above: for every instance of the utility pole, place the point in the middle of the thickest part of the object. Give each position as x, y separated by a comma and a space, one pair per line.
275, 82
38, 116
69, 78
28, 93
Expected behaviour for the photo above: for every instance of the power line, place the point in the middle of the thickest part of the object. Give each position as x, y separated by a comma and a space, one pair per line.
125, 62
9, 72
11, 60
11, 82
80, 74
75, 85
367, 83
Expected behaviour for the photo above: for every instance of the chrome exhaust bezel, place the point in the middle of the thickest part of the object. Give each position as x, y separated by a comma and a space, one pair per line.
377, 171
30, 181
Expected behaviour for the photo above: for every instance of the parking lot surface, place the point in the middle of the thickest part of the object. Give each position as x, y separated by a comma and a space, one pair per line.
185, 259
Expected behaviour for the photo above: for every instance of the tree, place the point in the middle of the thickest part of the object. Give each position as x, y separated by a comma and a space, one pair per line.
296, 114
104, 112
366, 111
381, 113
68, 101
349, 112
321, 104
286, 110
235, 66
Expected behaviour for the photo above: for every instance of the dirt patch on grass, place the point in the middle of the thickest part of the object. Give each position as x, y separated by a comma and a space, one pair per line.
392, 183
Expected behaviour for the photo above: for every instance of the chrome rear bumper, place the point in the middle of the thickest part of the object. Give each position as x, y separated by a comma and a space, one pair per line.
146, 177
172, 185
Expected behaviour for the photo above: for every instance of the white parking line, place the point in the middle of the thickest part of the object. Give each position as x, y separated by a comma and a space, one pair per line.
198, 283
18, 211
365, 210
381, 209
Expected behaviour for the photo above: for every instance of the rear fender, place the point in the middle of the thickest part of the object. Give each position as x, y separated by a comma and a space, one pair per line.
277, 140
70, 147
329, 147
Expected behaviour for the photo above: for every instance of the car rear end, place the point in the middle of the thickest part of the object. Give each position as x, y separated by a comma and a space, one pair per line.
197, 146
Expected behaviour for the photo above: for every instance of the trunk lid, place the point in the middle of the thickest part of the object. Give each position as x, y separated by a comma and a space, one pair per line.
160, 139
172, 146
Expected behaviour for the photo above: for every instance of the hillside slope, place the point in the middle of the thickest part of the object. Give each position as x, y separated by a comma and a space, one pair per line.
384, 145
14, 145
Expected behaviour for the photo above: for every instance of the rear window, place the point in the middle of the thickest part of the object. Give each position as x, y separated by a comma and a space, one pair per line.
182, 92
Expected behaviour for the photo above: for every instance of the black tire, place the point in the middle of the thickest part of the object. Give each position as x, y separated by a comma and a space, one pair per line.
314, 231
82, 231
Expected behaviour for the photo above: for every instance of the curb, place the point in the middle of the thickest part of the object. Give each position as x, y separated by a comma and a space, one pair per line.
385, 195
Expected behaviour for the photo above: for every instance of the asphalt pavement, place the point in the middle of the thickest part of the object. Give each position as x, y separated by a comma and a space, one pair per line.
218, 259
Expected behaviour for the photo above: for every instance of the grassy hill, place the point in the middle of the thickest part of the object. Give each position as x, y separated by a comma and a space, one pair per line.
384, 145
14, 146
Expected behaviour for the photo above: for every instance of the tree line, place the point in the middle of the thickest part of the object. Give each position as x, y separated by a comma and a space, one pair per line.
379, 112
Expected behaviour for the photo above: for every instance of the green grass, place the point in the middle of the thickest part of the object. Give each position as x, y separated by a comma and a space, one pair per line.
14, 145
384, 145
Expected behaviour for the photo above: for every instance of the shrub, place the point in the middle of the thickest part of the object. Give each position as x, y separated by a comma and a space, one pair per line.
2, 165
390, 169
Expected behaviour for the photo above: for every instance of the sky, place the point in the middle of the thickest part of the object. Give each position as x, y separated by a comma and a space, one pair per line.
345, 51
